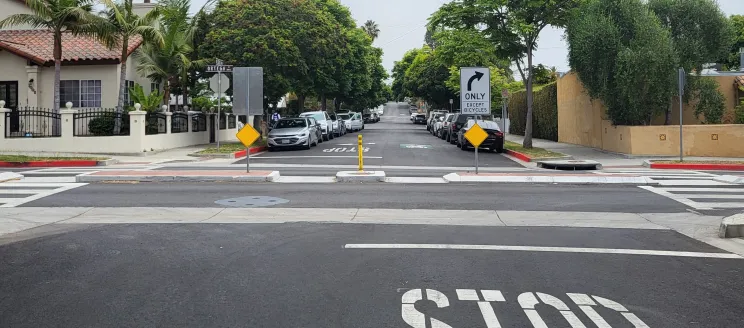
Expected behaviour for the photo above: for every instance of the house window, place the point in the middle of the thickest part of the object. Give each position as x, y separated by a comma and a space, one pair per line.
127, 98
81, 93
154, 87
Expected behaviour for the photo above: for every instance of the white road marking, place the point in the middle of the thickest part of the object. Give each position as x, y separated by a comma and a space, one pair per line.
734, 190
467, 294
546, 249
304, 179
49, 179
691, 183
708, 196
417, 180
13, 202
680, 199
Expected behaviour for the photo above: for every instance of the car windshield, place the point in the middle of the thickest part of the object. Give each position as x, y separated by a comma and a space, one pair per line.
344, 116
316, 116
486, 125
291, 123
367, 115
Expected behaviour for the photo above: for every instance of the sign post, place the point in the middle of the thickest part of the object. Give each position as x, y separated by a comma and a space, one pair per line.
217, 83
504, 98
247, 136
476, 135
360, 151
475, 90
681, 93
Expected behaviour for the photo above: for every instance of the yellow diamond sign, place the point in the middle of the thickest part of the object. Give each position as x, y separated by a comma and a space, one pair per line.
476, 135
248, 135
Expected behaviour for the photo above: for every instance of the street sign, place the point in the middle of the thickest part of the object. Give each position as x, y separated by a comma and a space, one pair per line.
219, 84
476, 135
475, 90
504, 93
247, 135
248, 98
219, 68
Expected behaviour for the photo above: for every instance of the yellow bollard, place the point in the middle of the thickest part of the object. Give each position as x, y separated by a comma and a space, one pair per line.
361, 151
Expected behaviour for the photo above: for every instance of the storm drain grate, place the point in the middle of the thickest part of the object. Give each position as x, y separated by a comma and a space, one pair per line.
252, 201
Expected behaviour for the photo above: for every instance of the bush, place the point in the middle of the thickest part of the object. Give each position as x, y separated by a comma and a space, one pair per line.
544, 113
103, 125
711, 102
739, 113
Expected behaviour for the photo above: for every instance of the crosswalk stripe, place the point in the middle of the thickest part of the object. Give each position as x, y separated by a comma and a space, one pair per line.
734, 190
691, 183
693, 196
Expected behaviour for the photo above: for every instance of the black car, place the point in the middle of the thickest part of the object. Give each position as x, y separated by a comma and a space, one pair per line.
494, 142
459, 121
368, 118
419, 119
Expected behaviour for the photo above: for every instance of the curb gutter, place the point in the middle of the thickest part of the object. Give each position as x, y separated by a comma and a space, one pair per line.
59, 163
693, 166
732, 226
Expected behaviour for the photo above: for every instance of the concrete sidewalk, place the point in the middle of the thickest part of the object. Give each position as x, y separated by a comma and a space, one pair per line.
607, 159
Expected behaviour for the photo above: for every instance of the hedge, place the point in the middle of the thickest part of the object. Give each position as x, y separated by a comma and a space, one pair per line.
544, 113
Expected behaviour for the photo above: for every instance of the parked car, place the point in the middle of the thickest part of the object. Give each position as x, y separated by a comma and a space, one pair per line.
375, 117
326, 125
458, 122
419, 119
357, 123
433, 118
442, 132
346, 118
339, 127
494, 142
368, 118
294, 132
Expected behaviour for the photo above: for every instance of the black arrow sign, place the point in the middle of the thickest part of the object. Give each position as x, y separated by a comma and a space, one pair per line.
477, 75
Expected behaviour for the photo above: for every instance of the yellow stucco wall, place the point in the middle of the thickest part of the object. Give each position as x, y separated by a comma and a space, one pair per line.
580, 121
14, 69
579, 117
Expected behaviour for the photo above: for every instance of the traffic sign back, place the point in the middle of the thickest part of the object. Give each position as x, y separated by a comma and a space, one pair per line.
248, 135
476, 135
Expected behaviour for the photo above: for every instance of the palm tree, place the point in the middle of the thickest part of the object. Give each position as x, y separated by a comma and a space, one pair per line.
168, 62
371, 28
59, 16
125, 25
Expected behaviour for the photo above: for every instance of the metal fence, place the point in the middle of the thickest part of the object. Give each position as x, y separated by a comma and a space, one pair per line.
100, 122
31, 122
223, 121
179, 122
198, 122
155, 123
231, 124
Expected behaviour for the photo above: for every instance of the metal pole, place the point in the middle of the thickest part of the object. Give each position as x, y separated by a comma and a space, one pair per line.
503, 124
476, 160
219, 108
247, 159
360, 151
681, 93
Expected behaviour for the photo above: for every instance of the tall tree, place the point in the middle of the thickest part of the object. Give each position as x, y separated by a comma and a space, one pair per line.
60, 16
372, 29
399, 74
513, 26
733, 57
125, 26
624, 57
701, 34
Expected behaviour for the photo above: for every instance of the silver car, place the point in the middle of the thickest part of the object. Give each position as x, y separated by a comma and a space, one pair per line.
293, 132
326, 125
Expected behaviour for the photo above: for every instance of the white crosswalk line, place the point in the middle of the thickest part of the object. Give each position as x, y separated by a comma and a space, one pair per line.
698, 190
45, 182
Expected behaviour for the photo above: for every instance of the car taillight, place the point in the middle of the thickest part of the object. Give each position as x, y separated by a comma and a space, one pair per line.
499, 134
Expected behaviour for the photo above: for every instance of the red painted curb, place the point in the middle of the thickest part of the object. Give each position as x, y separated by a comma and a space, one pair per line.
254, 150
518, 155
71, 163
704, 167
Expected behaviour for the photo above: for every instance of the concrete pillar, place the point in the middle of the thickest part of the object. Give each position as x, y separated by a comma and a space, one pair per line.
3, 112
137, 128
32, 92
168, 121
67, 119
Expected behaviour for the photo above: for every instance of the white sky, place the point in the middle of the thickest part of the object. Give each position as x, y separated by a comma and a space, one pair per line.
402, 27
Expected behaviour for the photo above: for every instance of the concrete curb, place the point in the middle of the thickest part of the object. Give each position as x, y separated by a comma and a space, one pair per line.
9, 176
525, 158
732, 226
558, 179
729, 179
237, 154
356, 176
693, 166
271, 177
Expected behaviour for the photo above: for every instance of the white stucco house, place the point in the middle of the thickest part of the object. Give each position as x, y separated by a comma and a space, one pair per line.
89, 75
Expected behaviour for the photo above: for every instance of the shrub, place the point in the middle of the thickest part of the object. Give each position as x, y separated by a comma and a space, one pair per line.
739, 113
544, 113
103, 125
711, 102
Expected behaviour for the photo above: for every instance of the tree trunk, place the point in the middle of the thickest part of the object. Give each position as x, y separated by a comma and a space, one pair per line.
527, 143
57, 68
323, 105
668, 116
122, 85
300, 103
337, 104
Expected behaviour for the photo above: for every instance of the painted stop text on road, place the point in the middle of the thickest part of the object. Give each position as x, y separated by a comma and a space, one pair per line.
344, 150
487, 301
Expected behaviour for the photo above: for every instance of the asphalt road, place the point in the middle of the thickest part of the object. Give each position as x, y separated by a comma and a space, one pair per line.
392, 141
524, 197
301, 275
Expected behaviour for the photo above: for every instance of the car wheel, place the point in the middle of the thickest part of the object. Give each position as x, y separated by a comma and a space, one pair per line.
270, 149
464, 146
308, 145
